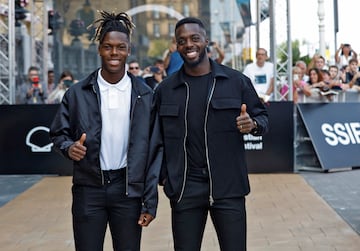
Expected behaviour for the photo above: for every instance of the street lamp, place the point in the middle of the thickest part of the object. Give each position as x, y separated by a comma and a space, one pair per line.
20, 12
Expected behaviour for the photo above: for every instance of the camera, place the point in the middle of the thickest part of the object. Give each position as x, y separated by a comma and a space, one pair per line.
68, 83
35, 81
211, 43
154, 69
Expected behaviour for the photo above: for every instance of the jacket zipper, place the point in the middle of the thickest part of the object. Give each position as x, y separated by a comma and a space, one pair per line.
211, 199
184, 142
127, 166
99, 105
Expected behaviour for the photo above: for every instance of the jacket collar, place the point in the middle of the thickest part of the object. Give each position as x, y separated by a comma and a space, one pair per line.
217, 71
137, 86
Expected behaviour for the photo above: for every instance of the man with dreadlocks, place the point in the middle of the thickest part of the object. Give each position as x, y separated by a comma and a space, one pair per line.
107, 125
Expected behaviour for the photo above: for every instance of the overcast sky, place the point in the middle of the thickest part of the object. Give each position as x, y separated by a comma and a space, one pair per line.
305, 24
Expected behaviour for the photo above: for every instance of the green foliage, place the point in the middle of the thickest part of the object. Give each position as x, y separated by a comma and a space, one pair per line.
282, 52
306, 59
157, 48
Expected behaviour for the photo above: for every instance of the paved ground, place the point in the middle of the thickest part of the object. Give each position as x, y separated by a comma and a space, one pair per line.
341, 190
291, 212
13, 185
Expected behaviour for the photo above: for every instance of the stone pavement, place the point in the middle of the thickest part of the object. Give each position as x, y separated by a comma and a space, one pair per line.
285, 213
12, 185
341, 190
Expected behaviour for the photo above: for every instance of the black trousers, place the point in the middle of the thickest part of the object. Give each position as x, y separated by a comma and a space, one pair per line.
94, 208
189, 216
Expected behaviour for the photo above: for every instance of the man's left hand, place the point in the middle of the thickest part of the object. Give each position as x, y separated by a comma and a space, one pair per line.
145, 219
243, 122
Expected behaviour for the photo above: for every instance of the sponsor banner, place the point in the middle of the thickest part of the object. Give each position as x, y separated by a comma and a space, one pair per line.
334, 130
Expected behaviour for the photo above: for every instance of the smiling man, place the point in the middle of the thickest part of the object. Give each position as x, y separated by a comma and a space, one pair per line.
205, 109
106, 124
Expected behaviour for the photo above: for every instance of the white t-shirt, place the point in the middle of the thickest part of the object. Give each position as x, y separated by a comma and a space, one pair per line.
344, 61
115, 114
260, 76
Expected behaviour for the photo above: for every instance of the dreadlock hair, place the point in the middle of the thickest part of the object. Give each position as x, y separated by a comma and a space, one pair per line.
112, 22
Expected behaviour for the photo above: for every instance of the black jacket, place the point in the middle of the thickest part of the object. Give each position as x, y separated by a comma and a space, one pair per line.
225, 153
80, 113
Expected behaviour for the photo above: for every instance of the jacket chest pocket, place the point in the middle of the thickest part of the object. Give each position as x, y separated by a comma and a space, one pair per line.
171, 121
224, 113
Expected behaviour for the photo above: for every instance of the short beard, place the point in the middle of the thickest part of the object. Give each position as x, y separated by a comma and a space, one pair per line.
197, 62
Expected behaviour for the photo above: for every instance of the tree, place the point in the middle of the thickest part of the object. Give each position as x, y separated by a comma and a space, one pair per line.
282, 52
157, 48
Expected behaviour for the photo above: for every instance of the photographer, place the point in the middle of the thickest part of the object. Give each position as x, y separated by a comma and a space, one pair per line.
32, 91
66, 80
157, 74
219, 54
344, 54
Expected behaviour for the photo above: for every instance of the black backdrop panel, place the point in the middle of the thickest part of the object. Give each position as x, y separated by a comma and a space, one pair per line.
277, 153
25, 147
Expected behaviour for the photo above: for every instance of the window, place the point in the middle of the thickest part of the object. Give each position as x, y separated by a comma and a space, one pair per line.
156, 30
156, 14
186, 10
171, 30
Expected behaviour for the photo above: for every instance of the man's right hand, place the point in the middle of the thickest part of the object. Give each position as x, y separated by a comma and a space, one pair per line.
77, 150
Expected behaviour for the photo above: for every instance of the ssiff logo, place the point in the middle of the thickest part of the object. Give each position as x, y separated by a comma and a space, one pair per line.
30, 140
341, 133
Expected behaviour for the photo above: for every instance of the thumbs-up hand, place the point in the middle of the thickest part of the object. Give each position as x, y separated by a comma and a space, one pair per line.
82, 139
243, 122
77, 150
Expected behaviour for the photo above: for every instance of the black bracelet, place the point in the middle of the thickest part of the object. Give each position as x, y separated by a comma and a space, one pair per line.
255, 129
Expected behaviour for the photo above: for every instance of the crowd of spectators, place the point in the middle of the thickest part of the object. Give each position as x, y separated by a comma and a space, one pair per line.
317, 81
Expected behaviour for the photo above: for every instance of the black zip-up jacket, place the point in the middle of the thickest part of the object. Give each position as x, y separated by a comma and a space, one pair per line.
225, 153
80, 113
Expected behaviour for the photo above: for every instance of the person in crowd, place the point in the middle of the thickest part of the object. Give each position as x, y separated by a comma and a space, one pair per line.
205, 109
320, 63
65, 82
172, 59
107, 125
319, 87
157, 74
316, 79
317, 61
343, 55
335, 82
135, 69
219, 54
302, 65
261, 73
32, 91
51, 85
327, 90
326, 76
352, 77
300, 87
